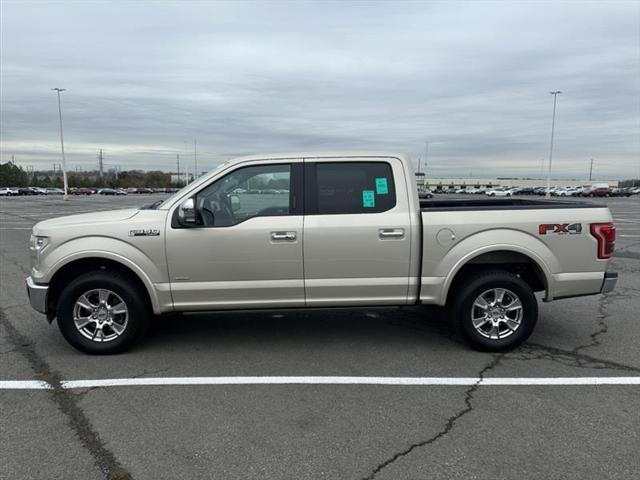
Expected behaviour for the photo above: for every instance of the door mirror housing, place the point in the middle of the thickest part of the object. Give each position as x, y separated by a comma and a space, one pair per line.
187, 213
235, 202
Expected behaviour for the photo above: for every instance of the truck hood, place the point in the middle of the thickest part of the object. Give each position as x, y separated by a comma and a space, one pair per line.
86, 219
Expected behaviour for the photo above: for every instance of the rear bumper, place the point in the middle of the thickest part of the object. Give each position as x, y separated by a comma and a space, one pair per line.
37, 295
609, 282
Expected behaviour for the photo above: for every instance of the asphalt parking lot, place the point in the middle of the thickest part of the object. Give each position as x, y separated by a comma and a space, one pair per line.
351, 431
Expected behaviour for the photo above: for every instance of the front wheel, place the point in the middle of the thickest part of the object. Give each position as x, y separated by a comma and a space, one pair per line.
102, 312
495, 311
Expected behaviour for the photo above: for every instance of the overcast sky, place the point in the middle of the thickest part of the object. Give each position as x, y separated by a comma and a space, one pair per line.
145, 78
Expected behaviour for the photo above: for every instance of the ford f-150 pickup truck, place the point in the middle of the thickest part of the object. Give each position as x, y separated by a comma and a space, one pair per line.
316, 230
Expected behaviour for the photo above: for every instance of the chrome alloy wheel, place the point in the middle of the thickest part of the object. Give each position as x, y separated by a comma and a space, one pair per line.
100, 315
496, 313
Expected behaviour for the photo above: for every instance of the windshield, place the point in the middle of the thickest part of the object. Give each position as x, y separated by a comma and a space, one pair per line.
168, 201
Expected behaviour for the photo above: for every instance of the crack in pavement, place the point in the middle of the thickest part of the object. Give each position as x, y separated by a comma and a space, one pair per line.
603, 302
449, 423
6, 257
67, 404
569, 358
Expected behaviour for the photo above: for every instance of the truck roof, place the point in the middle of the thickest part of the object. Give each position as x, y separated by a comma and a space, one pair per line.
326, 154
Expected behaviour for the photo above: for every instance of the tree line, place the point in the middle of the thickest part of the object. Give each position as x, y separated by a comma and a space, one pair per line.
12, 175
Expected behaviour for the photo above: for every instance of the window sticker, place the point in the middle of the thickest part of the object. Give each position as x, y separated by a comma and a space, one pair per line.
368, 199
381, 186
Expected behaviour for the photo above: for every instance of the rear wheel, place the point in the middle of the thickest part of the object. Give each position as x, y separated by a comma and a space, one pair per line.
495, 311
102, 312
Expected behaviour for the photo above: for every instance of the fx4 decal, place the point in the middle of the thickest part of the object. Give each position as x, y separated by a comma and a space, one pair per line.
560, 228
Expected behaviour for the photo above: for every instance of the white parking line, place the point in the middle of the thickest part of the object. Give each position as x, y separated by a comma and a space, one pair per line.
630, 236
392, 381
24, 385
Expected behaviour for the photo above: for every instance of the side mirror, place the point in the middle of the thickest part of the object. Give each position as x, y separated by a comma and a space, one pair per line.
187, 213
235, 202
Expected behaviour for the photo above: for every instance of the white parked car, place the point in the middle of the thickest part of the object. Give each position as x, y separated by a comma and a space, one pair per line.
567, 191
499, 192
8, 192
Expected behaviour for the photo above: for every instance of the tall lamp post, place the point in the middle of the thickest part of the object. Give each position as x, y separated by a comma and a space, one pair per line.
64, 161
553, 125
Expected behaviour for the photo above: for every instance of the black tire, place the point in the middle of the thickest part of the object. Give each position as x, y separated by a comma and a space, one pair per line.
137, 317
467, 293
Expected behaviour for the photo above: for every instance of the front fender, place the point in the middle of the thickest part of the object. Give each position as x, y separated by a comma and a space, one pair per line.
149, 267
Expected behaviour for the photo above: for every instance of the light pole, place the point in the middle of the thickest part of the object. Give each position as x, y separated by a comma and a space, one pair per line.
553, 125
64, 161
426, 158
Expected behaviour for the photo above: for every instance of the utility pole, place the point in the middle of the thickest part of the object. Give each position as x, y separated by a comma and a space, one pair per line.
178, 167
591, 170
100, 163
195, 158
553, 125
64, 161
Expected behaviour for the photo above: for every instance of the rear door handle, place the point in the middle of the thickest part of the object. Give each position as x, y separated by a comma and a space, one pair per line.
385, 233
283, 236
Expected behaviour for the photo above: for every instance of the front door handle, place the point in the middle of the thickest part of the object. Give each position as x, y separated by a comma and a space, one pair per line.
283, 236
385, 233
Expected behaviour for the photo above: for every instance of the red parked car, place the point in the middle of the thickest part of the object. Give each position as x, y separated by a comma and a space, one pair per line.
597, 190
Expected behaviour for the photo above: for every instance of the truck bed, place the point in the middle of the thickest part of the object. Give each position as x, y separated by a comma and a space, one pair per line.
502, 204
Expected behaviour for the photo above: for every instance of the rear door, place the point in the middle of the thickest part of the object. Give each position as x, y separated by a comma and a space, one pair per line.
356, 232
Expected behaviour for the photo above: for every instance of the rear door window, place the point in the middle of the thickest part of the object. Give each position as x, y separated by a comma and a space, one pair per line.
349, 187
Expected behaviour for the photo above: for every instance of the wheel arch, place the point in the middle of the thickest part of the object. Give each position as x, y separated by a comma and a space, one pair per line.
78, 266
511, 258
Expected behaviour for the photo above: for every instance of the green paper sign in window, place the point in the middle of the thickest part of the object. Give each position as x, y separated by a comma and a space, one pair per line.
381, 186
368, 199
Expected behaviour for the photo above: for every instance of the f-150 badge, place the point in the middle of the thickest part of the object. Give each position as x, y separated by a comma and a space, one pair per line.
560, 228
144, 232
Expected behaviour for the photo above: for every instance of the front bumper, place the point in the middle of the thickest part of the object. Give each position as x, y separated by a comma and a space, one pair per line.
609, 282
37, 295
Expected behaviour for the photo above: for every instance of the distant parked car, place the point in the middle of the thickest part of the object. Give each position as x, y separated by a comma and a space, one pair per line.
620, 192
54, 191
567, 191
424, 193
597, 190
108, 191
121, 191
144, 190
8, 192
499, 192
81, 191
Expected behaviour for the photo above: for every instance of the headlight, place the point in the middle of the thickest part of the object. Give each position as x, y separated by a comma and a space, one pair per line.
38, 242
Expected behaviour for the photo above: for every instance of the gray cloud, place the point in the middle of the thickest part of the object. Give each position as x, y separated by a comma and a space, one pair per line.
146, 78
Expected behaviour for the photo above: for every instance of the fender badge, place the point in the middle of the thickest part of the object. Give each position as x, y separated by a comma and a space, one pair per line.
144, 232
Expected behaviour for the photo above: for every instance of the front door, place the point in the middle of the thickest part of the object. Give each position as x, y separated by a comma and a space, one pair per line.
246, 249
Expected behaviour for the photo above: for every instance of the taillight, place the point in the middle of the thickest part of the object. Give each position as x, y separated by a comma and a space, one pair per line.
605, 233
